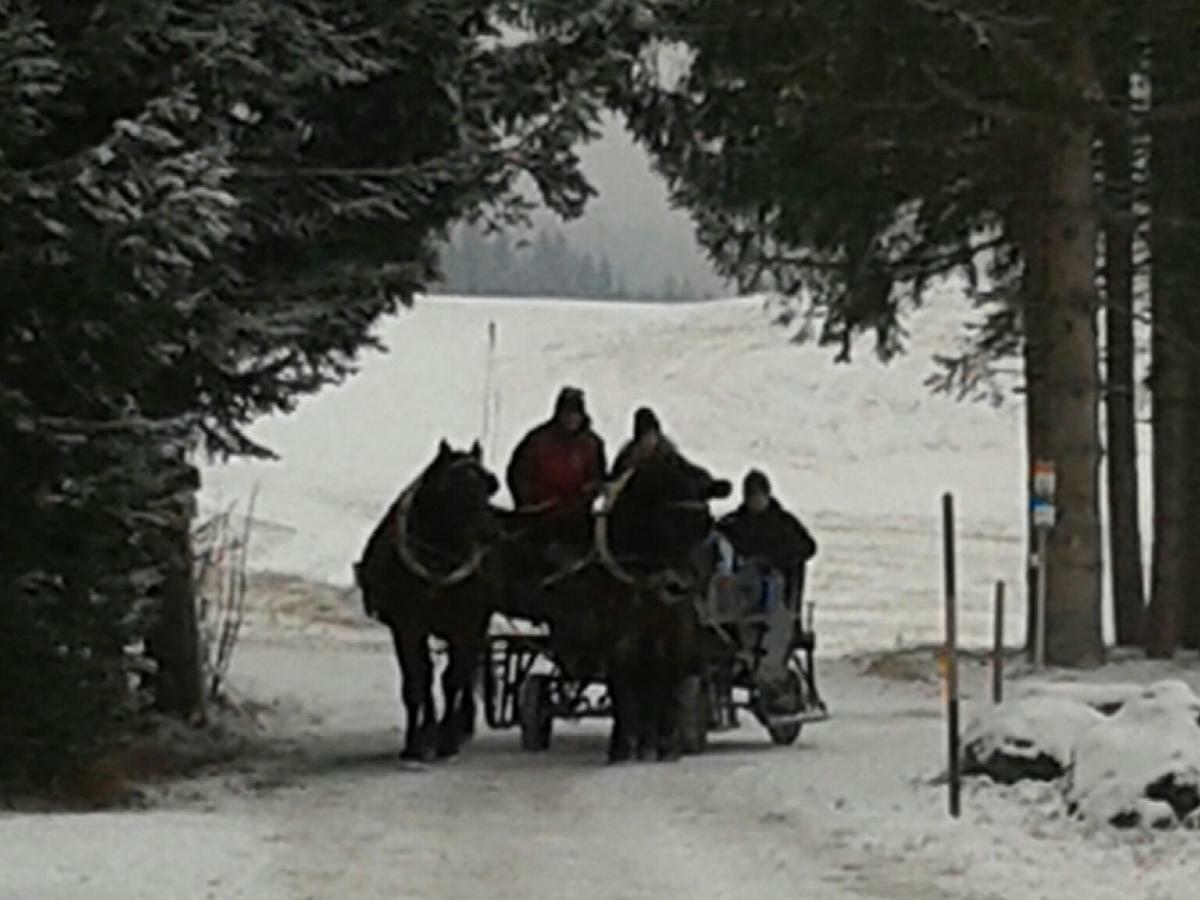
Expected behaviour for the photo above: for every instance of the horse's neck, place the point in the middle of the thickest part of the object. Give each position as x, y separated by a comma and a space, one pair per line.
439, 518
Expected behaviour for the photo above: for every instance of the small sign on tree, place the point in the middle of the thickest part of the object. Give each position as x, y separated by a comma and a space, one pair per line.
1044, 511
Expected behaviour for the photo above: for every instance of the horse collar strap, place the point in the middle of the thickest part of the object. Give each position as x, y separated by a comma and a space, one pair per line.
457, 576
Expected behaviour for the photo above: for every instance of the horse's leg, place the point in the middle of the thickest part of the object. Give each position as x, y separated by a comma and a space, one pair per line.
678, 647
648, 687
447, 733
623, 692
669, 682
412, 655
467, 713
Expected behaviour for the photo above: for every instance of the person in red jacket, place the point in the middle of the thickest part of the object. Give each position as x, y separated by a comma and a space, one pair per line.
559, 467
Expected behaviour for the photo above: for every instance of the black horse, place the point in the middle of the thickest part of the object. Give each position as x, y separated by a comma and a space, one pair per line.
652, 540
422, 573
621, 606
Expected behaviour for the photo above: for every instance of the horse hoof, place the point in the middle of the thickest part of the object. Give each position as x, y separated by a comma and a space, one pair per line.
670, 755
411, 754
621, 754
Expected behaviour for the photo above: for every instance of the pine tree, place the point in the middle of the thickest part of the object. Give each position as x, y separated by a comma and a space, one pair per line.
855, 151
203, 210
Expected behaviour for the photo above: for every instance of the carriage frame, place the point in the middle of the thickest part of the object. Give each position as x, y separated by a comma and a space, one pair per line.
528, 683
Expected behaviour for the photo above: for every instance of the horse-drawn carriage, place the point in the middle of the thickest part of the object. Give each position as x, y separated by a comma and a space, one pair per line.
650, 624
753, 651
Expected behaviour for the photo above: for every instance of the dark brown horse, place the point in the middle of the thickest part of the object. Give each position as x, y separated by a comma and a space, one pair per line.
651, 539
622, 606
422, 573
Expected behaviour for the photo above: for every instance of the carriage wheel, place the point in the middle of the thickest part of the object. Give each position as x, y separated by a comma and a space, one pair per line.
693, 715
534, 713
786, 734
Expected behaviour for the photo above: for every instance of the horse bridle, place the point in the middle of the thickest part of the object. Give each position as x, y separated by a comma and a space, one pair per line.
403, 544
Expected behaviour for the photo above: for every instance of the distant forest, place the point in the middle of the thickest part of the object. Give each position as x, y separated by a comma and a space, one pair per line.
475, 264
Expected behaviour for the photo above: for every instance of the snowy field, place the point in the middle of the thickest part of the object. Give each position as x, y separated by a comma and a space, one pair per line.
320, 807
862, 452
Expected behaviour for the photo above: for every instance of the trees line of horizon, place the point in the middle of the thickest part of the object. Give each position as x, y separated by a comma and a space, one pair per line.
475, 263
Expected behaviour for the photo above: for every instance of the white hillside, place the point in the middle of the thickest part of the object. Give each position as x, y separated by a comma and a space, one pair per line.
861, 452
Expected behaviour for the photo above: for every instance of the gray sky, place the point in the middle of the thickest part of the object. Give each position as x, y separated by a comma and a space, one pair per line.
632, 219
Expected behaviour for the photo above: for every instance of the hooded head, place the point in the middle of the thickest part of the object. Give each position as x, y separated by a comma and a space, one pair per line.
570, 409
645, 422
646, 429
756, 490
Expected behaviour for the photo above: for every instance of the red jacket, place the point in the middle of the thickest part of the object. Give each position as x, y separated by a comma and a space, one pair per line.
551, 466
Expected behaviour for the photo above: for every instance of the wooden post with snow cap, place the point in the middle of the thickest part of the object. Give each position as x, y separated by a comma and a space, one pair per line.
949, 658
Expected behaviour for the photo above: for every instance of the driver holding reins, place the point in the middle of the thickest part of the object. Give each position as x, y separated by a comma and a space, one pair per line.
559, 467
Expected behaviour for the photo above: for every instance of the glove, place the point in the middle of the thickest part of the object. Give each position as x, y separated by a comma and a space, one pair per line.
720, 489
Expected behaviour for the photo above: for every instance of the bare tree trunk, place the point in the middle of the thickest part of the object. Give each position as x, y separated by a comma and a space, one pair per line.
174, 644
1125, 533
1169, 385
1069, 395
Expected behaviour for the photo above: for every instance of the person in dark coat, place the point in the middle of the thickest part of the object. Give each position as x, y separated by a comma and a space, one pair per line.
649, 441
762, 531
559, 466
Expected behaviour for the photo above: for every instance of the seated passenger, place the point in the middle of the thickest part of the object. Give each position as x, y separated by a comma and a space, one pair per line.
763, 532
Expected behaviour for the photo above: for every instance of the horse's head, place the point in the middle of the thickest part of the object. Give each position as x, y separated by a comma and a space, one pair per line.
660, 515
452, 500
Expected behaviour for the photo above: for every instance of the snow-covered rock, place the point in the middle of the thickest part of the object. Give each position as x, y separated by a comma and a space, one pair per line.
1149, 751
1030, 738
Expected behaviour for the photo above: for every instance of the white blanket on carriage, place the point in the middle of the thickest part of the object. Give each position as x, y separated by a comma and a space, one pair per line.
754, 603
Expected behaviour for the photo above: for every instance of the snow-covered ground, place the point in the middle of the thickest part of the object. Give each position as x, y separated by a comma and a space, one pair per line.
322, 808
861, 452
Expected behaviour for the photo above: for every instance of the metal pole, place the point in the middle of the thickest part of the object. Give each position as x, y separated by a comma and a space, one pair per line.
1039, 652
951, 653
487, 381
998, 646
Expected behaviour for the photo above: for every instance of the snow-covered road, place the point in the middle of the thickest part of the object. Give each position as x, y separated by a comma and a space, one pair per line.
326, 811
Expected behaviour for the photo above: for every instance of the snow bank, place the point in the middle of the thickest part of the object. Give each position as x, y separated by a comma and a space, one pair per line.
1138, 766
1104, 698
1027, 739
1142, 766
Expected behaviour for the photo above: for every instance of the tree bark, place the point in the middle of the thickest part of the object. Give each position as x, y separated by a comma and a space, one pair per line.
1028, 230
1125, 533
1169, 386
174, 642
1067, 397
1189, 626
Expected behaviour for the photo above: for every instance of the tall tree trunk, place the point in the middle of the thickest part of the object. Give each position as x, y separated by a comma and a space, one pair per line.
1189, 631
1069, 396
1027, 231
1125, 533
1189, 346
1169, 385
